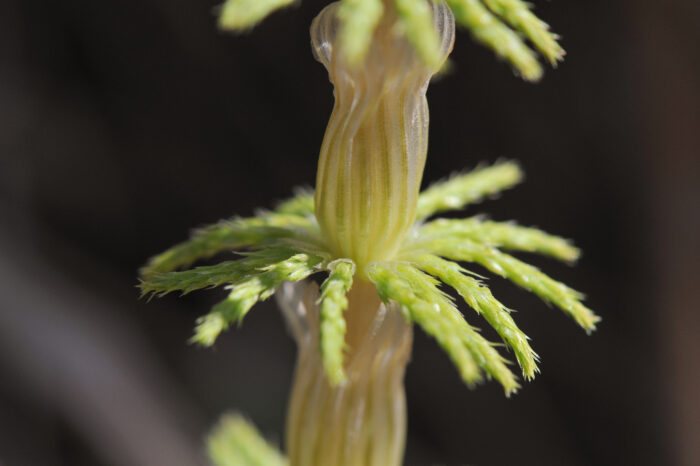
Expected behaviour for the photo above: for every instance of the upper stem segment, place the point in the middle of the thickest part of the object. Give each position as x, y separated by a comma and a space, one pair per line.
373, 153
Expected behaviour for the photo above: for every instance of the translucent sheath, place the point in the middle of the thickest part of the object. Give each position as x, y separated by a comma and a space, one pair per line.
373, 153
363, 421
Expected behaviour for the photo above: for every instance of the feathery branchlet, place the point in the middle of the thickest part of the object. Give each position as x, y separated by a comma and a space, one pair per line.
332, 328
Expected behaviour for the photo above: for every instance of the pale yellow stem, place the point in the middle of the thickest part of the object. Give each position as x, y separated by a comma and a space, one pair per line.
363, 421
373, 153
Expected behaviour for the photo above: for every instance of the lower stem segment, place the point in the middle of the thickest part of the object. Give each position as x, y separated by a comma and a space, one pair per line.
363, 421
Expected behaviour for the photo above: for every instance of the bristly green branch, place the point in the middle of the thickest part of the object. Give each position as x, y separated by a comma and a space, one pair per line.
334, 302
522, 274
504, 235
427, 314
483, 351
468, 188
210, 276
249, 291
236, 442
436, 314
229, 235
479, 298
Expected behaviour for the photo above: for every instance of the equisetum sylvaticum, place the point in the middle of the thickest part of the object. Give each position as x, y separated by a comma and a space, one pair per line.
371, 237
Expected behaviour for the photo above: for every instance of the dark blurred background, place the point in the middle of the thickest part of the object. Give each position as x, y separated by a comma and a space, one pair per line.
125, 124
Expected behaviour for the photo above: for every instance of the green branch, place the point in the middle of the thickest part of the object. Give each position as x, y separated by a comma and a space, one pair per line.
210, 276
426, 314
518, 14
226, 235
247, 292
482, 350
504, 235
468, 188
426, 305
490, 31
334, 302
479, 297
522, 274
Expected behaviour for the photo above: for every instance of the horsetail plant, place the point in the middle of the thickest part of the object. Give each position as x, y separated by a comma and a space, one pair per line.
368, 233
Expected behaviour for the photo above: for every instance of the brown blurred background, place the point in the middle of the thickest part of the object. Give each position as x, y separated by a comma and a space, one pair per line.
124, 124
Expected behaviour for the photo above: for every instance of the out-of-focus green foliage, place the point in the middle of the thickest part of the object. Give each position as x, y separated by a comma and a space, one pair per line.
238, 15
236, 442
504, 26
